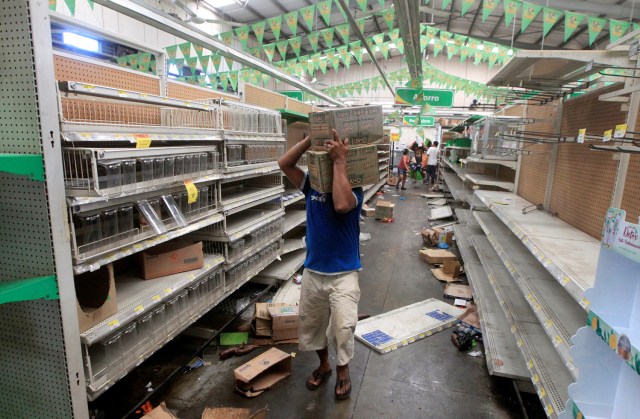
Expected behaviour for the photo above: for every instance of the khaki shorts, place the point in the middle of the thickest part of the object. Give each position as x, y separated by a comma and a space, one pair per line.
329, 311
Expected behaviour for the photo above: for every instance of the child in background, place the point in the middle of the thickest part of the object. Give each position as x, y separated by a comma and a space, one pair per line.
403, 167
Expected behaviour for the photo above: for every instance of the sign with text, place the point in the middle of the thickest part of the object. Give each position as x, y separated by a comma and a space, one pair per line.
441, 98
620, 235
425, 121
293, 94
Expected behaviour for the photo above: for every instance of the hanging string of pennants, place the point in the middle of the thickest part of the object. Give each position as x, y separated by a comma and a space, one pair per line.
432, 75
550, 17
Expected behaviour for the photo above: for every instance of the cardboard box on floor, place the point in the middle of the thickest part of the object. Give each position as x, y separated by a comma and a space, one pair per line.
362, 168
233, 413
443, 277
451, 267
171, 258
96, 296
429, 237
284, 322
262, 372
436, 256
367, 211
263, 318
160, 412
458, 291
359, 125
440, 231
384, 209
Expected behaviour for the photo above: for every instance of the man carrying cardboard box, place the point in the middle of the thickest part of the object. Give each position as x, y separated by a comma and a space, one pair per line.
330, 291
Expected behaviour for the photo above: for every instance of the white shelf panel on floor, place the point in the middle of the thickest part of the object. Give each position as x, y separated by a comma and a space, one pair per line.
457, 188
285, 268
125, 251
504, 359
559, 314
508, 163
136, 296
547, 370
293, 218
488, 180
568, 254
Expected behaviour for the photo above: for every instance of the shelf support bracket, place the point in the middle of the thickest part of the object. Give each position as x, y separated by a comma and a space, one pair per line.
30, 165
44, 287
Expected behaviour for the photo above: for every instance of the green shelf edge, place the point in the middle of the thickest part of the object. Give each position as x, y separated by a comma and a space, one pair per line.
293, 116
30, 165
45, 287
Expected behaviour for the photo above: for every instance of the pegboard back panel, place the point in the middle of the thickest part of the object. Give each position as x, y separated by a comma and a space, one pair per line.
77, 110
183, 91
296, 133
583, 186
70, 69
34, 381
588, 112
262, 97
297, 106
631, 195
534, 172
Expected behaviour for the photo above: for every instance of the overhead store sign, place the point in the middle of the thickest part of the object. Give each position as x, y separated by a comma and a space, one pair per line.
293, 94
425, 121
441, 98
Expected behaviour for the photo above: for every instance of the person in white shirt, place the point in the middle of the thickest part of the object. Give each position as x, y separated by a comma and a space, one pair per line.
432, 162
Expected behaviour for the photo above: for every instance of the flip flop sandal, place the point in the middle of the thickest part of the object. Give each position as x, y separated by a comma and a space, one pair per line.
318, 376
342, 383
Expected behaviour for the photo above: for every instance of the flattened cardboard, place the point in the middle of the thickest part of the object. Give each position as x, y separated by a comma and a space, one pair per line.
160, 412
232, 413
284, 322
384, 209
359, 125
443, 277
362, 168
262, 372
458, 291
171, 258
96, 296
436, 256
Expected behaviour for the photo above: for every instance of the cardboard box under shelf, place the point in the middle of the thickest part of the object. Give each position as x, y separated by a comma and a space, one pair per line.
434, 256
262, 372
263, 318
95, 296
367, 211
384, 209
362, 168
171, 258
359, 125
284, 322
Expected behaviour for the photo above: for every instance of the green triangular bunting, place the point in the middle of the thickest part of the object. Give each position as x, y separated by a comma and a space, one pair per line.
275, 23
362, 4
595, 27
617, 28
269, 51
324, 9
291, 19
571, 23
529, 12
549, 18
327, 35
242, 33
466, 5
295, 44
356, 48
282, 48
258, 29
510, 10
488, 6
343, 31
313, 38
307, 15
389, 15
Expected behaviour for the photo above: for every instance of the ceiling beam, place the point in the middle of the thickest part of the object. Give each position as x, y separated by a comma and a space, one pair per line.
408, 13
475, 17
574, 35
375, 19
162, 21
495, 28
450, 15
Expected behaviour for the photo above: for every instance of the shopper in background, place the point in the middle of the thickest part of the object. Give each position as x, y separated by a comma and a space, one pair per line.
420, 158
403, 167
432, 163
330, 290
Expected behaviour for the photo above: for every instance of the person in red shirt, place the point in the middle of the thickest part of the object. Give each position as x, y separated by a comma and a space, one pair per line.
403, 167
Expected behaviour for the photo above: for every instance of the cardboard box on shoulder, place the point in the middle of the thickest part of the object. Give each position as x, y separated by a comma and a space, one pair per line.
284, 322
359, 125
171, 258
384, 209
362, 168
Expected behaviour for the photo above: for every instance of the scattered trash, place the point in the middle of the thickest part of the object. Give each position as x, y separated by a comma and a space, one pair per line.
160, 412
236, 351
395, 195
476, 353
443, 245
194, 364
456, 291
148, 387
233, 412
465, 338
386, 220
458, 302
365, 236
233, 338
262, 372
297, 279
402, 198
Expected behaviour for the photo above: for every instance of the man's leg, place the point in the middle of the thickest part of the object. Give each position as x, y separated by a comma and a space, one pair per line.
344, 294
314, 319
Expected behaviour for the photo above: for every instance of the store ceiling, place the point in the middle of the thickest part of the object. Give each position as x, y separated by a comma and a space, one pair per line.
471, 24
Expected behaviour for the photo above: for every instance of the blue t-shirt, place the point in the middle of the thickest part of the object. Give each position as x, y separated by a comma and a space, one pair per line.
333, 244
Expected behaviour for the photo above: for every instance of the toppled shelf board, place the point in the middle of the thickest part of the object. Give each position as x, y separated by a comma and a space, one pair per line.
439, 201
397, 328
438, 213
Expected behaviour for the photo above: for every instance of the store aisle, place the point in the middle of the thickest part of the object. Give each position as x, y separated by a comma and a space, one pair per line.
427, 379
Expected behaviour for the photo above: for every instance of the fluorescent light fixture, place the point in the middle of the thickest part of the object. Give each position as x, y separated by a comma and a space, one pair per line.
510, 52
173, 69
80, 42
